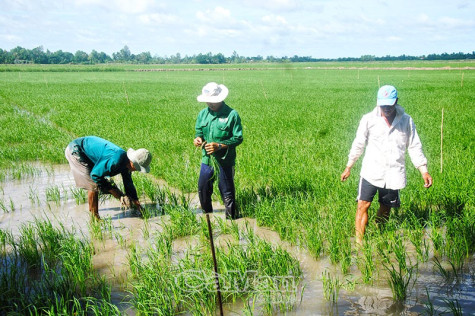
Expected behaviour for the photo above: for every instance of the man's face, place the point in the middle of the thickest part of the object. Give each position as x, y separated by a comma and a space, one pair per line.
214, 106
387, 110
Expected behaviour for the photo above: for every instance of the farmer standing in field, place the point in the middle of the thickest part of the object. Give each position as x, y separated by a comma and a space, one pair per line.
386, 132
92, 159
218, 132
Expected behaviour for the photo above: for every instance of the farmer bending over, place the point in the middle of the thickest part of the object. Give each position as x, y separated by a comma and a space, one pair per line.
386, 132
92, 159
218, 132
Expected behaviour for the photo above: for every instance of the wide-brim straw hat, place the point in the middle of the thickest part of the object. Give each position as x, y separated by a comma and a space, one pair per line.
213, 93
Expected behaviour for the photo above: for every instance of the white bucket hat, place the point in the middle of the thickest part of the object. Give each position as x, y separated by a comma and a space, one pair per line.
213, 93
141, 159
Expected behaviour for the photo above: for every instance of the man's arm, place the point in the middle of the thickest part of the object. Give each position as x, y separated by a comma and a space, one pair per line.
357, 148
414, 148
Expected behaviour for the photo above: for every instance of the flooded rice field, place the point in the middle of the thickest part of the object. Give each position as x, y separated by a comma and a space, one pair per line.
48, 193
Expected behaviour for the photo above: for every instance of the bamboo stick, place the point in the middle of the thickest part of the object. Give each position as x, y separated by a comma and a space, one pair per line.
441, 140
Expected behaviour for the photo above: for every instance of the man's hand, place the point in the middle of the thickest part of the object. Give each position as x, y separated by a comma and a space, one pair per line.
125, 202
346, 174
198, 141
427, 180
211, 148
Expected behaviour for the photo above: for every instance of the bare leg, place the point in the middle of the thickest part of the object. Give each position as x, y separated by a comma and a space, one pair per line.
93, 198
383, 213
361, 219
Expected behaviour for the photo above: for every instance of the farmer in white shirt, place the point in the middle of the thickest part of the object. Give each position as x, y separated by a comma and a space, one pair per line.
386, 132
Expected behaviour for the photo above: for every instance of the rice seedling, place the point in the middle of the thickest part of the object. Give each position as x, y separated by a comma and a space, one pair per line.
3, 207
399, 280
49, 271
33, 196
182, 222
167, 285
331, 287
80, 195
53, 194
449, 275
366, 263
95, 229
454, 307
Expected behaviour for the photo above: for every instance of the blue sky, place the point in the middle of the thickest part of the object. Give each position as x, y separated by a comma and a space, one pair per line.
319, 28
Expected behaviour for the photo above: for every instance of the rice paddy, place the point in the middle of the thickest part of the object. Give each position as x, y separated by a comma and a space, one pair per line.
293, 252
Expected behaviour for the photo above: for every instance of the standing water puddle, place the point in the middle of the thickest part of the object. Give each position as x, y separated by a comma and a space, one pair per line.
48, 195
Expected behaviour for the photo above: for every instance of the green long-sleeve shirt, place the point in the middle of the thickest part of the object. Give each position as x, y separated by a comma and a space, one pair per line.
222, 127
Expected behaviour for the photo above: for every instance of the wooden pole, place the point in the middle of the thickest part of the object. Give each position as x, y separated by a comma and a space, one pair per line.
441, 139
218, 289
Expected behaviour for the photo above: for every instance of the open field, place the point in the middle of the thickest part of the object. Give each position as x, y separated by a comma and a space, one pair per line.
299, 121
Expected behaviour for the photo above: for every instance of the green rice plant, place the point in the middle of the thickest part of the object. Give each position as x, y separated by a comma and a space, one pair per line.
435, 233
345, 253
454, 307
331, 287
366, 263
33, 196
120, 239
50, 275
182, 221
146, 229
416, 235
12, 205
28, 247
449, 275
107, 226
459, 235
80, 195
95, 229
252, 268
429, 308
53, 194
400, 279
314, 241
23, 170
4, 207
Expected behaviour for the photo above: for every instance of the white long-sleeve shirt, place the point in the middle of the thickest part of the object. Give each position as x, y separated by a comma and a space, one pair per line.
384, 159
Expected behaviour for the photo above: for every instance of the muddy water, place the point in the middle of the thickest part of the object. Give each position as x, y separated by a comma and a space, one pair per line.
28, 198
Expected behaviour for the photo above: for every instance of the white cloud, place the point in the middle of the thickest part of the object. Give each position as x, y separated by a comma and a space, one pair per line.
124, 6
275, 20
10, 38
158, 18
217, 15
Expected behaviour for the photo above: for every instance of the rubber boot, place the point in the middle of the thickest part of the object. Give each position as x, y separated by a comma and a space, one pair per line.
230, 206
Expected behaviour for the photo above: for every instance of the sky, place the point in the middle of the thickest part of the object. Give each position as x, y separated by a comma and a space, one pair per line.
316, 28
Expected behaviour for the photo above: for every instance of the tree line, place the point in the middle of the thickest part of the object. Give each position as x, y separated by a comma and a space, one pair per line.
38, 55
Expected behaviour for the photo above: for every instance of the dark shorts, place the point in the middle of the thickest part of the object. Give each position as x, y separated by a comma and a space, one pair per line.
388, 197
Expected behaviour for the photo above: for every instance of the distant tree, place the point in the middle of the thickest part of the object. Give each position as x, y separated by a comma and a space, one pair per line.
94, 57
4, 57
123, 55
20, 54
143, 58
39, 56
218, 59
80, 57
